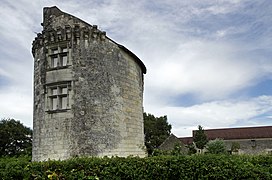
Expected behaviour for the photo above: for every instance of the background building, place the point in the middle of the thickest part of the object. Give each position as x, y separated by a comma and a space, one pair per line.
88, 92
250, 140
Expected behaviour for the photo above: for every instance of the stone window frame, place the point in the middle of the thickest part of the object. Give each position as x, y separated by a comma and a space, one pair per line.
59, 57
56, 93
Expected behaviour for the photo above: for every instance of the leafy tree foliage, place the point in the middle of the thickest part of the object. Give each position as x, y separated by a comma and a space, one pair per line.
156, 130
200, 138
235, 146
216, 146
177, 151
191, 149
15, 138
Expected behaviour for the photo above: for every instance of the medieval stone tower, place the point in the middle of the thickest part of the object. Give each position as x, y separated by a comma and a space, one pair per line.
88, 92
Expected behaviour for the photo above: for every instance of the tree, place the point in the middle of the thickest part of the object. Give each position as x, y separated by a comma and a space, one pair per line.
235, 146
216, 146
15, 138
178, 150
200, 138
156, 130
191, 149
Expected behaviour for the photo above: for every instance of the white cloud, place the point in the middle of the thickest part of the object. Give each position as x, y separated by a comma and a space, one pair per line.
214, 114
3, 72
225, 32
167, 36
209, 70
16, 103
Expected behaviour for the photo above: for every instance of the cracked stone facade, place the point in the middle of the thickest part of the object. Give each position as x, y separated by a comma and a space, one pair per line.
88, 92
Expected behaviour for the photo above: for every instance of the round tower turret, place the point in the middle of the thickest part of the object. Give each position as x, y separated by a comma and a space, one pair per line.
88, 92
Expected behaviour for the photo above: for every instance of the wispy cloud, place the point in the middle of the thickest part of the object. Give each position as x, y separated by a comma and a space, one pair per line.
212, 114
208, 69
204, 52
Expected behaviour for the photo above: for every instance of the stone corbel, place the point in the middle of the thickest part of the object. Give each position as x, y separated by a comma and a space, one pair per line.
103, 36
94, 32
59, 34
85, 33
68, 32
52, 37
77, 32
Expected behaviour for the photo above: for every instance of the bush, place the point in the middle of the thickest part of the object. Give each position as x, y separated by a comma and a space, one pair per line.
216, 146
191, 149
235, 146
13, 168
160, 167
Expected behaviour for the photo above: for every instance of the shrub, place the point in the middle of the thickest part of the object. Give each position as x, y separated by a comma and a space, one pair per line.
235, 146
191, 149
216, 146
13, 168
178, 150
208, 166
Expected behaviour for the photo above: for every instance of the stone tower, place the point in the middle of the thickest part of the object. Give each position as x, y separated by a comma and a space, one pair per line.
88, 92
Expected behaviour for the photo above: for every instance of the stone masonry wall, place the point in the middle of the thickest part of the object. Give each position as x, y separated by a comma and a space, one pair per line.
108, 101
252, 146
104, 113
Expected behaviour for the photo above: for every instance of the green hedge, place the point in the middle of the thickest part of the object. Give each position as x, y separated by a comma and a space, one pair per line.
160, 167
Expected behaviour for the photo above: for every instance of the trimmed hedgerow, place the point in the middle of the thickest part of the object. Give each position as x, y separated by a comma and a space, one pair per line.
160, 167
13, 167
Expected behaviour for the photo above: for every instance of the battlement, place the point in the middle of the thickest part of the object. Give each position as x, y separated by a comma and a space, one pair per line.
73, 30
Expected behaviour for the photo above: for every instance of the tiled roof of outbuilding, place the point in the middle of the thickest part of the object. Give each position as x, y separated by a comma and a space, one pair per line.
239, 133
186, 140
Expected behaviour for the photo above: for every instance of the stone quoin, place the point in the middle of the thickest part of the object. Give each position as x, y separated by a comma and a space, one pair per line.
88, 92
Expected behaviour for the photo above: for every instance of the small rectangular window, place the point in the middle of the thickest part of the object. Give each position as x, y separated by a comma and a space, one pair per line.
253, 143
58, 57
58, 97
54, 103
54, 61
64, 90
54, 91
64, 49
63, 101
55, 51
64, 60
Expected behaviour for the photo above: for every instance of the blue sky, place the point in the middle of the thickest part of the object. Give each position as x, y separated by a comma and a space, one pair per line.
208, 62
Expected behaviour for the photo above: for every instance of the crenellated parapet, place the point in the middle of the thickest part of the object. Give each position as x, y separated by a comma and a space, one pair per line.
75, 31
68, 34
